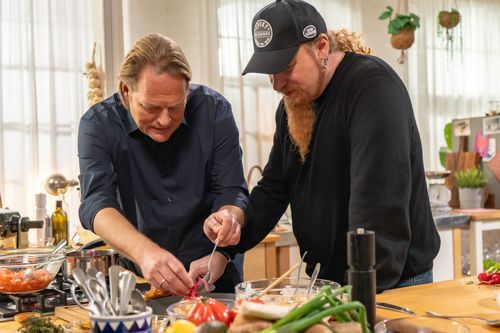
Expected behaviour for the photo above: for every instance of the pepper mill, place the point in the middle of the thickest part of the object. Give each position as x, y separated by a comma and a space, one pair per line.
361, 274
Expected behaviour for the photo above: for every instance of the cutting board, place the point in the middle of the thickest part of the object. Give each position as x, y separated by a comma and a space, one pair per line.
71, 313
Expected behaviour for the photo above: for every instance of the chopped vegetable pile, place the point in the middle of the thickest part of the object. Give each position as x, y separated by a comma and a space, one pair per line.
325, 304
18, 281
40, 325
491, 274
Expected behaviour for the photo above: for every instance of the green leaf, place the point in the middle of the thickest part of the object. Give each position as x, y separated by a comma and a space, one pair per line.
447, 134
488, 263
386, 14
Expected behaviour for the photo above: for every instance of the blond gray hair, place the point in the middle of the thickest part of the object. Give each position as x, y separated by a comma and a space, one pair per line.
155, 50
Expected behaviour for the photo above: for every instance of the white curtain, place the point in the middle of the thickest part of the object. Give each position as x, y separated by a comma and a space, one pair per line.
253, 99
457, 82
45, 45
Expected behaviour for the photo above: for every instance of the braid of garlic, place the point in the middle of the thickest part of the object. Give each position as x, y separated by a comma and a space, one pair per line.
95, 92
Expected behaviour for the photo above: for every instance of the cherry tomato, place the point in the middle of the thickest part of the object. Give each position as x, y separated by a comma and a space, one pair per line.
206, 309
483, 277
495, 278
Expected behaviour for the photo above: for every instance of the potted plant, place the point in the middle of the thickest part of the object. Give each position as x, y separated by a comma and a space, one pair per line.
447, 21
402, 28
470, 183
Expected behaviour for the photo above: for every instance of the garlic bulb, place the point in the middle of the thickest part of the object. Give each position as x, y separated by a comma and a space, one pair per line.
94, 94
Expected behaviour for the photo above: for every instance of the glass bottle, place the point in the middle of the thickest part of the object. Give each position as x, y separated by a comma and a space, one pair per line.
59, 220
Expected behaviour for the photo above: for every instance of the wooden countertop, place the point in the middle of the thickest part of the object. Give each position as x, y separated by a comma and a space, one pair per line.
480, 214
462, 296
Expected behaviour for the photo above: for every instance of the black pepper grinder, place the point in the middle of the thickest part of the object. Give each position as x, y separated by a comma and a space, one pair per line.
361, 273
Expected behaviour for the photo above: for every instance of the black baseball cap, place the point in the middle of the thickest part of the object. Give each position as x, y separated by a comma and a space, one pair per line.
278, 30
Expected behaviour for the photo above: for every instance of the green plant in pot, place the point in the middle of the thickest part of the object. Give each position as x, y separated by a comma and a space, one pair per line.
470, 183
402, 28
447, 21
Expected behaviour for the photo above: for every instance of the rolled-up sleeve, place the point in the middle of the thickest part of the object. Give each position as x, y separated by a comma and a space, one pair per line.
97, 175
227, 182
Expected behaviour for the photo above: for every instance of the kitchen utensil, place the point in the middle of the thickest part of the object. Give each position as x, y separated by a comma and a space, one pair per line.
135, 322
28, 272
84, 259
420, 324
41, 272
137, 301
493, 323
207, 286
300, 269
90, 306
314, 276
361, 274
278, 280
91, 272
100, 299
128, 284
393, 307
114, 272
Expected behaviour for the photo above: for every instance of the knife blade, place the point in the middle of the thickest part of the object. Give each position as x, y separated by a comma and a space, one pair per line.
393, 307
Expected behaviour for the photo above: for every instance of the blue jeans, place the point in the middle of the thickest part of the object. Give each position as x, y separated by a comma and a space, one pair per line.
417, 279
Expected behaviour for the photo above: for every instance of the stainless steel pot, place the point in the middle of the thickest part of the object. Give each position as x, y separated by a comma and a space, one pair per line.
98, 259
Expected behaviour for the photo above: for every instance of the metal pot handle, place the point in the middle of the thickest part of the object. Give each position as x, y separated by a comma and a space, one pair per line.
93, 244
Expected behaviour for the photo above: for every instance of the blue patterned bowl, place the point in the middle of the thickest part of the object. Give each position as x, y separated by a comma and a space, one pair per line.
134, 323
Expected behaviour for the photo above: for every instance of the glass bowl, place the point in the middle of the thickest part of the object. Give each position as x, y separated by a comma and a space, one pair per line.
420, 324
288, 291
180, 309
28, 272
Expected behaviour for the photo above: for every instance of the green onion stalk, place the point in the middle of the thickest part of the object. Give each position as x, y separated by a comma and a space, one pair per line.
325, 304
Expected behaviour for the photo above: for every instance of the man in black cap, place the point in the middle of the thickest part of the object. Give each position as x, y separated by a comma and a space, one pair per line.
346, 151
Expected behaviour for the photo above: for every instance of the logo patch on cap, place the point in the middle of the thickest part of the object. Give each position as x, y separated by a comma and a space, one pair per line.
309, 31
262, 33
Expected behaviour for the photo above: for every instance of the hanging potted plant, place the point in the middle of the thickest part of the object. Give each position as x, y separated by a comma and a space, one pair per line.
447, 21
471, 183
402, 28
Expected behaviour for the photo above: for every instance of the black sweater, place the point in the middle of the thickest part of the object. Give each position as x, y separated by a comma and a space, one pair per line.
364, 170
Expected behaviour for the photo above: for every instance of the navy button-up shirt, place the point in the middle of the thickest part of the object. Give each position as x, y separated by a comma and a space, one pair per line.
166, 190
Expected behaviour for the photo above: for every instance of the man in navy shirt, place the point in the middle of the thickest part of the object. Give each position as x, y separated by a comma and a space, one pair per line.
157, 159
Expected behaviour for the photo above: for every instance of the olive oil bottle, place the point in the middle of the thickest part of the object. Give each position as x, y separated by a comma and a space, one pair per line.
59, 220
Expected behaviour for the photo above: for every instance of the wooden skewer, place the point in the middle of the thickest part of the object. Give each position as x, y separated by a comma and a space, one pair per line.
278, 280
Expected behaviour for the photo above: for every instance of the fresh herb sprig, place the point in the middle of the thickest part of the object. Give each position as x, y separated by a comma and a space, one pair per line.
40, 325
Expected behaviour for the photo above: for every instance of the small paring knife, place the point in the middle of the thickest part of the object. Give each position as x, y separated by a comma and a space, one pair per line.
393, 307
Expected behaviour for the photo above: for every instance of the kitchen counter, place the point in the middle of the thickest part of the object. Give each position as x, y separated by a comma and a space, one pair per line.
459, 297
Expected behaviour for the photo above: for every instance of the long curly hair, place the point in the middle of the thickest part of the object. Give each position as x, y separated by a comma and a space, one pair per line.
347, 41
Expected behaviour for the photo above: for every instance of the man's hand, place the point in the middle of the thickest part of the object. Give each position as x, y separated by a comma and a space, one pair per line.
224, 226
199, 268
164, 271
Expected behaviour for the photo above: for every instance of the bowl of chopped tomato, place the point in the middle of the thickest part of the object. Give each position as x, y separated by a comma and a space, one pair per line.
28, 272
201, 309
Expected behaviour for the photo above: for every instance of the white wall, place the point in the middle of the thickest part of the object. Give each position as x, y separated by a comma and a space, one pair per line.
192, 24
